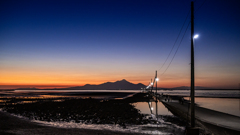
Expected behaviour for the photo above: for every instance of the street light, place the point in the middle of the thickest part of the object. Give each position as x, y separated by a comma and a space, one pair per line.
156, 84
192, 78
195, 36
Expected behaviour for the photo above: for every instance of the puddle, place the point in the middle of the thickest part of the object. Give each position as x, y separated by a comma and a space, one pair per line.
150, 108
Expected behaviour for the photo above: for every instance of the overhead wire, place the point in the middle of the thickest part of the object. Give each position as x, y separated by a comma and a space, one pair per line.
180, 41
176, 50
173, 47
175, 41
200, 6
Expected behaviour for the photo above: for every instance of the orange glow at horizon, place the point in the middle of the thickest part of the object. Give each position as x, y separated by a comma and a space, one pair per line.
66, 79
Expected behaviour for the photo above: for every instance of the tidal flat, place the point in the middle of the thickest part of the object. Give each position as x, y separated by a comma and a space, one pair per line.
111, 112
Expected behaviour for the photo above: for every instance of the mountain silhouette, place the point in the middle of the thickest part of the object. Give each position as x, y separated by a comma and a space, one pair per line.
118, 85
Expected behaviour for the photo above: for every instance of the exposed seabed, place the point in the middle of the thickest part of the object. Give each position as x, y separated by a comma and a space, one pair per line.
96, 115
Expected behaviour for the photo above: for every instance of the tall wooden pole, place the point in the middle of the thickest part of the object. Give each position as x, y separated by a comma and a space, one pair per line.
152, 86
156, 81
157, 110
192, 69
156, 97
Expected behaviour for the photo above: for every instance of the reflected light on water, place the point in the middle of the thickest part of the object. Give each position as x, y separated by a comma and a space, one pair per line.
226, 105
144, 108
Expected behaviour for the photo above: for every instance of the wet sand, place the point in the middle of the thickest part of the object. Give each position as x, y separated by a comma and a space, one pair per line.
118, 111
11, 125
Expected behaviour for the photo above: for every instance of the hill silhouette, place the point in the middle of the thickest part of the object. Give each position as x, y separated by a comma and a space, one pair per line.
118, 85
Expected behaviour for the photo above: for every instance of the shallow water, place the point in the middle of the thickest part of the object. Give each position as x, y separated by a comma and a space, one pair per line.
203, 93
150, 108
198, 93
152, 128
226, 105
51, 94
230, 104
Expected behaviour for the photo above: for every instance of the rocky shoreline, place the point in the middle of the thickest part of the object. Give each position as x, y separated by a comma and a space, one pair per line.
12, 125
120, 112
88, 111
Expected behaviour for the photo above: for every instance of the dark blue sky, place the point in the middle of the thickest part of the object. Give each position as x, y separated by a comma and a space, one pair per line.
77, 42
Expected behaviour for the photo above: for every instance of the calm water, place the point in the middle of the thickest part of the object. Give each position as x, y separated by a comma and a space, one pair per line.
226, 105
152, 128
150, 108
205, 98
204, 93
198, 93
98, 94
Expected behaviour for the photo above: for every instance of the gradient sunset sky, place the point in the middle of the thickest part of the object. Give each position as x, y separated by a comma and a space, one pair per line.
73, 43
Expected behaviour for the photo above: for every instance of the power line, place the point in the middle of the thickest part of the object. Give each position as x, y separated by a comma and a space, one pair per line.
180, 41
175, 40
176, 50
200, 6
173, 55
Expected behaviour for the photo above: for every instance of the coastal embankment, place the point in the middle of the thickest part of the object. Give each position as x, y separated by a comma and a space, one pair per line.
212, 121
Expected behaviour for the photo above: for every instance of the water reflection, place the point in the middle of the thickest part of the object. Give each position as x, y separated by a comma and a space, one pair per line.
150, 108
226, 105
201, 93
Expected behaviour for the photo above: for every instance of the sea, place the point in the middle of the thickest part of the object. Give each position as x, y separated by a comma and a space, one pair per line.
226, 101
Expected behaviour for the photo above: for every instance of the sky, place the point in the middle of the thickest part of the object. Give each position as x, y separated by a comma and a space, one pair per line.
59, 43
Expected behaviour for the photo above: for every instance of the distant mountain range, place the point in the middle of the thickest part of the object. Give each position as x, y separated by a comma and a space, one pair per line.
118, 85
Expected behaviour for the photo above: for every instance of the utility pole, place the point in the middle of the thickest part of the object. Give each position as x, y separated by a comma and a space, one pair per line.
157, 110
192, 130
192, 69
156, 98
152, 86
156, 82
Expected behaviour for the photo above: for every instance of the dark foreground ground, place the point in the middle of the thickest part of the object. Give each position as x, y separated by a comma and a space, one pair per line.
88, 111
78, 110
11, 125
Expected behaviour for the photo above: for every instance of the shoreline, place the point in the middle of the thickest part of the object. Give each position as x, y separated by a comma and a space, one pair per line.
213, 97
109, 114
13, 125
113, 116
